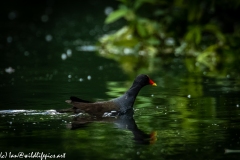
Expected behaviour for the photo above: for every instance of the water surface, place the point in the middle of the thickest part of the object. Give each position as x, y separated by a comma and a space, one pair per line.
199, 121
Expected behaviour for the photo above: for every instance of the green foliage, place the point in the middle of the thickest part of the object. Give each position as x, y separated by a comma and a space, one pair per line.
116, 15
195, 28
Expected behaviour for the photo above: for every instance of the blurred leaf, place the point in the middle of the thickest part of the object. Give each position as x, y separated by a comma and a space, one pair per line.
127, 42
152, 27
141, 30
153, 41
123, 37
151, 50
116, 15
200, 25
138, 4
130, 16
209, 57
198, 35
194, 34
124, 31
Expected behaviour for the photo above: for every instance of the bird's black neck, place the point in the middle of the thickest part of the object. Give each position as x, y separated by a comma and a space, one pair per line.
127, 100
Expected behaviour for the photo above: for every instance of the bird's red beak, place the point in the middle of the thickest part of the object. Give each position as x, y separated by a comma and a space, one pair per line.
152, 82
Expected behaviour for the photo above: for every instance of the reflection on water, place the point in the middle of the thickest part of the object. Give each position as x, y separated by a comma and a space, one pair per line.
123, 121
197, 114
194, 116
203, 125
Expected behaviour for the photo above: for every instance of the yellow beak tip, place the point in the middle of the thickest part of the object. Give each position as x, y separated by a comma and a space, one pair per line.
154, 84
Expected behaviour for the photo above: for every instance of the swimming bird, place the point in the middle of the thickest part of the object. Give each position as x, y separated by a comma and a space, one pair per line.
118, 105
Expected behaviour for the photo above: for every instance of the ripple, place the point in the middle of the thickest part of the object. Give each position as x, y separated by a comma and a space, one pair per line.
30, 112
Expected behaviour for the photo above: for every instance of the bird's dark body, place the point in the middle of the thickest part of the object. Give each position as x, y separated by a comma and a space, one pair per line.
120, 104
96, 108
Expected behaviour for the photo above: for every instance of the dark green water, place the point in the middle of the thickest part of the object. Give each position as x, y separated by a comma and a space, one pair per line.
194, 116
201, 126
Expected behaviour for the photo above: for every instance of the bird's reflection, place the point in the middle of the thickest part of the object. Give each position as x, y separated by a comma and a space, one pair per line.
122, 121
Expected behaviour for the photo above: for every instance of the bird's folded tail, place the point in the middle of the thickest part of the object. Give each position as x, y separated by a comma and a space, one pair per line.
75, 99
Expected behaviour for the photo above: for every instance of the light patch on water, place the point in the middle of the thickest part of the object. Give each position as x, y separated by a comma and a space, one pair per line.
69, 52
48, 38
88, 48
89, 77
78, 115
100, 67
110, 114
64, 56
29, 112
13, 111
231, 151
9, 70
108, 10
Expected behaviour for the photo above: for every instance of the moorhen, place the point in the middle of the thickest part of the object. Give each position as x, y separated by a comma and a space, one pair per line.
117, 105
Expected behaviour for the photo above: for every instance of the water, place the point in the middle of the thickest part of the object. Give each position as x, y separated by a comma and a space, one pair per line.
187, 116
199, 126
